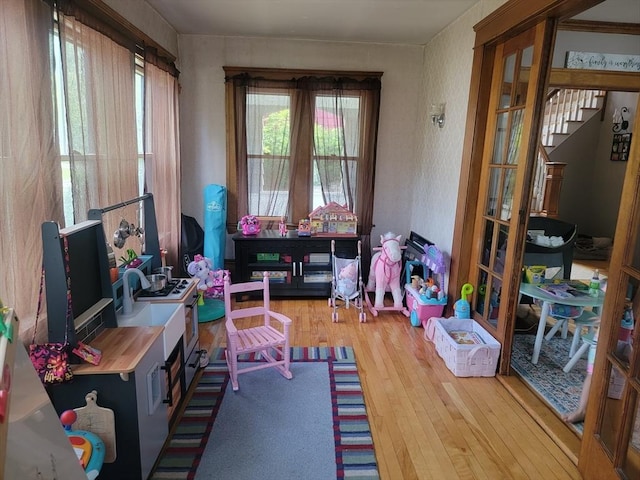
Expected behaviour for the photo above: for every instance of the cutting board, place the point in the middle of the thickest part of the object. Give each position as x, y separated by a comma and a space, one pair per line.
98, 420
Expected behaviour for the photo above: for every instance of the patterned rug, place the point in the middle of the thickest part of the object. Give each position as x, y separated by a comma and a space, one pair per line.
560, 390
354, 452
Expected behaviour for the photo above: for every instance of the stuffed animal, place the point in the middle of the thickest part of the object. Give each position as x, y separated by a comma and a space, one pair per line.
347, 279
200, 268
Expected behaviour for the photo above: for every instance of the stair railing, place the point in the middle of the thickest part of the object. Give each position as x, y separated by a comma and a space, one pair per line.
562, 107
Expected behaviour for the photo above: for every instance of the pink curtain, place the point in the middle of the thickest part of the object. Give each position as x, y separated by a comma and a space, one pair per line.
162, 155
31, 179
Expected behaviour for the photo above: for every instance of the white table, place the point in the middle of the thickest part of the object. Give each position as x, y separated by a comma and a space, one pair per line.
533, 291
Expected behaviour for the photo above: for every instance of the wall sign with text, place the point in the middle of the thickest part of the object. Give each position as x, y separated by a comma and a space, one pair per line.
603, 61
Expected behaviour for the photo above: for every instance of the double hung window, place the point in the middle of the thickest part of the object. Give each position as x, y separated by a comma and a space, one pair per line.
299, 140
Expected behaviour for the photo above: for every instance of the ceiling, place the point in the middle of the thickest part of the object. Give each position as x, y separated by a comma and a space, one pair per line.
412, 22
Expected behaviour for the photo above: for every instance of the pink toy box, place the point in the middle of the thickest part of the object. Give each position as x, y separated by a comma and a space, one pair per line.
425, 302
421, 307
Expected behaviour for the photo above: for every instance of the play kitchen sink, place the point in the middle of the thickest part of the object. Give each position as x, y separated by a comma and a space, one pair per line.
167, 315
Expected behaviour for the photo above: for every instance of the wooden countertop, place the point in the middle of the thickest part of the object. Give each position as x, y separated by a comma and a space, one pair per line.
122, 349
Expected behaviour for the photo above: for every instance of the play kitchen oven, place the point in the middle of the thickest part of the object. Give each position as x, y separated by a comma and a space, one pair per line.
184, 360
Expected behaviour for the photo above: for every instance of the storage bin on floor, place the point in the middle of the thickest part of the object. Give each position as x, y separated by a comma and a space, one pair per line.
467, 349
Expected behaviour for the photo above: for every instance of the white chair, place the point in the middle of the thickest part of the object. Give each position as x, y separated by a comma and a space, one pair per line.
586, 319
588, 340
271, 343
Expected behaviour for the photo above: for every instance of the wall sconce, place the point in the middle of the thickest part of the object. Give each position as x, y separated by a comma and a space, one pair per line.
620, 124
437, 114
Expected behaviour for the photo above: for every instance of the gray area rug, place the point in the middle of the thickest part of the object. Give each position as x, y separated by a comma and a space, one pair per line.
273, 428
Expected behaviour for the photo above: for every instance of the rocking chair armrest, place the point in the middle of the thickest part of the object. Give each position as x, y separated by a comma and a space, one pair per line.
283, 319
231, 328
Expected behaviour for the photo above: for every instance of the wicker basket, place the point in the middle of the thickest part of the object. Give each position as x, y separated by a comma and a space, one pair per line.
466, 360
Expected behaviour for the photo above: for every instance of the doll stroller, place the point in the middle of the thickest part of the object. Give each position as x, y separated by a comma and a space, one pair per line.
346, 284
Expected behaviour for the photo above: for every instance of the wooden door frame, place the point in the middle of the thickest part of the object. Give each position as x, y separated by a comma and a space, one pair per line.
594, 462
509, 20
512, 18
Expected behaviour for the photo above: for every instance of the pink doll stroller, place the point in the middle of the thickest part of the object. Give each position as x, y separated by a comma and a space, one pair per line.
346, 283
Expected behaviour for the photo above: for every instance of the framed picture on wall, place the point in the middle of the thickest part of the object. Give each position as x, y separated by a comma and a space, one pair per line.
620, 147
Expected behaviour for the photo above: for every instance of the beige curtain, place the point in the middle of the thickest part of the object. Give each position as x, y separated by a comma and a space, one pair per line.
162, 156
99, 84
31, 176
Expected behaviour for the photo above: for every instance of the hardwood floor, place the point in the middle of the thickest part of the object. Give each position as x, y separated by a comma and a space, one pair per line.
426, 423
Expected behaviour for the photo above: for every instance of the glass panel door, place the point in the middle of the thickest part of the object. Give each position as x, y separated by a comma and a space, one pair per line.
611, 440
502, 205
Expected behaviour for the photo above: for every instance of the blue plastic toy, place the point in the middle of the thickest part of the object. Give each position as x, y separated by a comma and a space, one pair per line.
462, 309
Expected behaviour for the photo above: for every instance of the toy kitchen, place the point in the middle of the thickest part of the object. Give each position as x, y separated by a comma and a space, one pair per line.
148, 337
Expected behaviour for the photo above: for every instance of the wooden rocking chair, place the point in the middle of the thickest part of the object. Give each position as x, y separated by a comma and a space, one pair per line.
271, 343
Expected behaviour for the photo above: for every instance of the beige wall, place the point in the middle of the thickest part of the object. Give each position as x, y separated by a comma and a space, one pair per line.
140, 14
202, 110
447, 72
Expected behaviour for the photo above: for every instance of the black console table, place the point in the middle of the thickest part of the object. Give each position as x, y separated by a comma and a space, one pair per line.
297, 266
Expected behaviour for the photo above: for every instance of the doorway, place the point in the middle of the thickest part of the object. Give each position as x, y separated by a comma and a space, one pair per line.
589, 201
595, 460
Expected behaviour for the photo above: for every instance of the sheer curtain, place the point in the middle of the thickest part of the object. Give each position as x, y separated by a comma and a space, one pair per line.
100, 109
30, 191
162, 154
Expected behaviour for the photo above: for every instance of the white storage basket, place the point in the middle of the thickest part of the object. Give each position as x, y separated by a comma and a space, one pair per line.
478, 360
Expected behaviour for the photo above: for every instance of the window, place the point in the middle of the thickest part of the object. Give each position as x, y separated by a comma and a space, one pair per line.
268, 153
74, 112
300, 140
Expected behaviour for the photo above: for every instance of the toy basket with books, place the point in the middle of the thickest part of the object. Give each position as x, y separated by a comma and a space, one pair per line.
467, 349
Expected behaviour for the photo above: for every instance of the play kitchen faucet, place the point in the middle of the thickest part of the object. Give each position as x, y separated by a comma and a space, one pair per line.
127, 290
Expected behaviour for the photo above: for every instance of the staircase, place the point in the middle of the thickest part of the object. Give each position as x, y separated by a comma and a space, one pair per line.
566, 110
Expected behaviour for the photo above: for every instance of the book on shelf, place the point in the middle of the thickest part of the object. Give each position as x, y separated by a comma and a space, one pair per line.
565, 289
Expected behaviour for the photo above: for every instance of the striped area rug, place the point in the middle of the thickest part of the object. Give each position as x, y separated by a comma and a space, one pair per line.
354, 451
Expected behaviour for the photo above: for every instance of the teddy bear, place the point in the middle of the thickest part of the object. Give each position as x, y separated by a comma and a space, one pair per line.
200, 268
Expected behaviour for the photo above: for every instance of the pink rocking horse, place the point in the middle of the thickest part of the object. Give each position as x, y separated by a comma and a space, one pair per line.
384, 275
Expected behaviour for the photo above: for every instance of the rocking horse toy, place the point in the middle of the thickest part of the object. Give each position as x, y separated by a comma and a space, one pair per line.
384, 275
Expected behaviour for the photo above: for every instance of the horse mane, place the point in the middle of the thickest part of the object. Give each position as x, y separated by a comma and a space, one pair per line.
388, 236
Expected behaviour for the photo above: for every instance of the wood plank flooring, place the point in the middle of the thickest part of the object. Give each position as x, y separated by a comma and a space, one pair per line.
426, 423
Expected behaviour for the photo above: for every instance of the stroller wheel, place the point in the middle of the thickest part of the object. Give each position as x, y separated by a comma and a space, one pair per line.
362, 317
334, 317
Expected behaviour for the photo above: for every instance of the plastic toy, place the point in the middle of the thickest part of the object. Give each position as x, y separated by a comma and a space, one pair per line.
462, 308
384, 274
250, 225
304, 228
426, 300
88, 446
282, 227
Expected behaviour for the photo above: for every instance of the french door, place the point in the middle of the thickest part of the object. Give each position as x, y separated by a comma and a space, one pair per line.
508, 155
611, 438
509, 73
